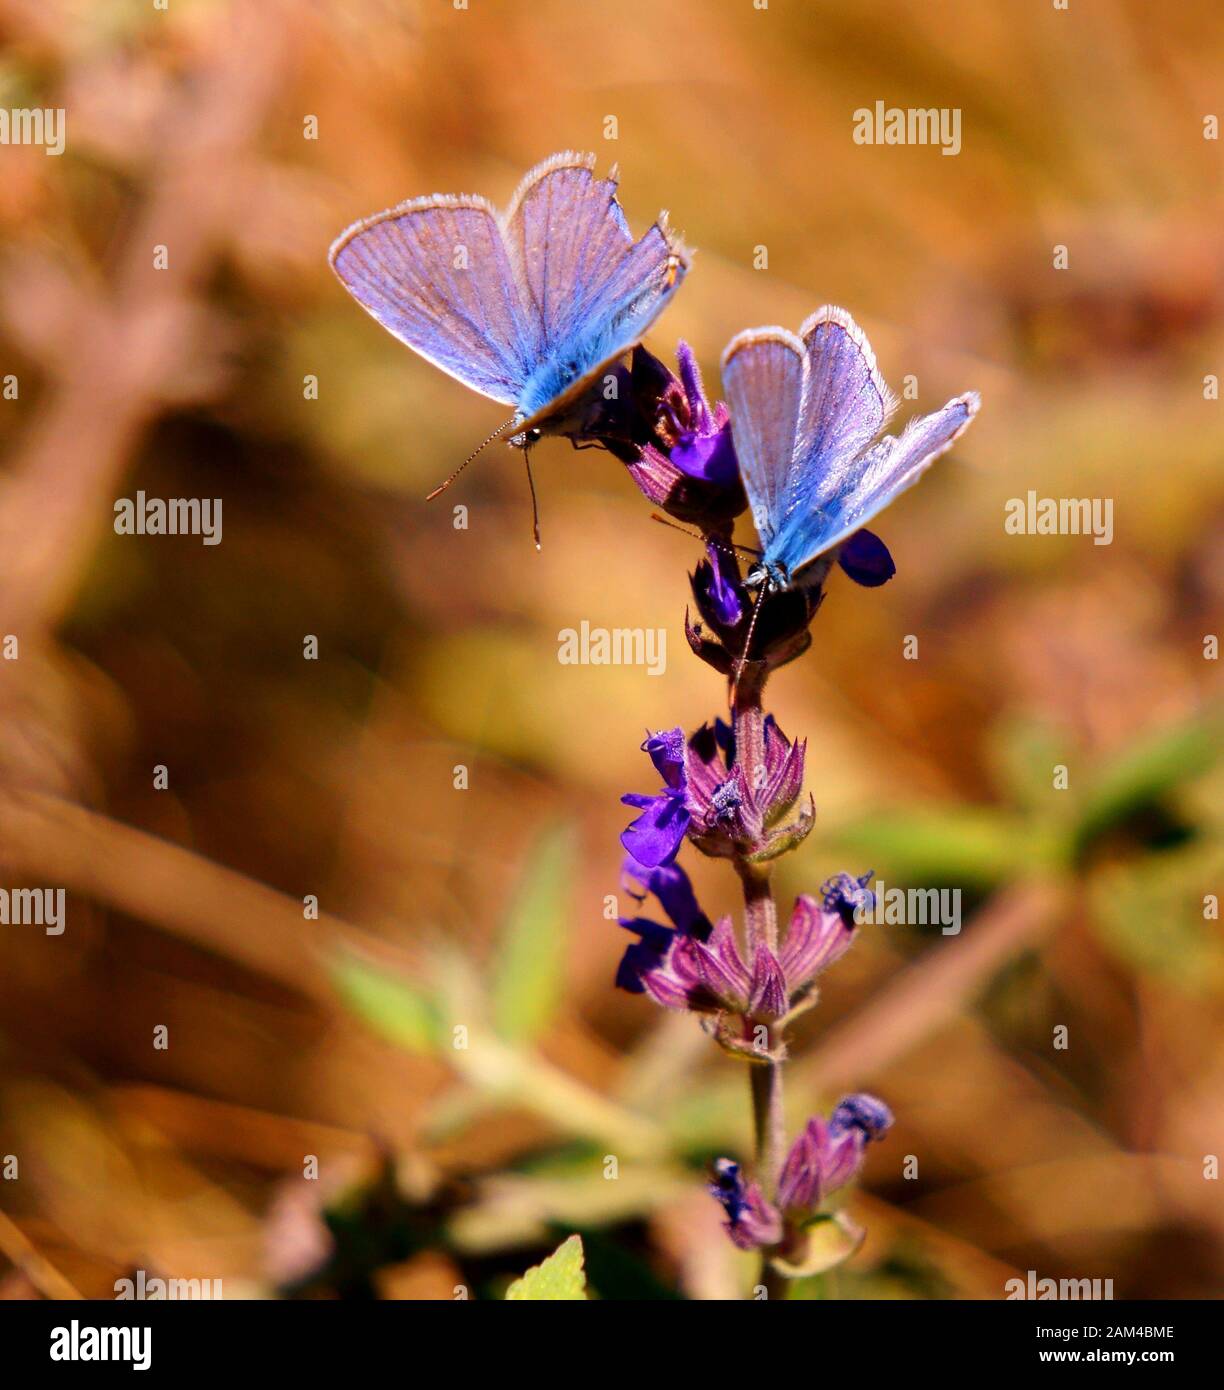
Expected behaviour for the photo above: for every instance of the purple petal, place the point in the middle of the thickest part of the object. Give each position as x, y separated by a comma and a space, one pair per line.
725, 588
752, 1222
655, 836
869, 1115
866, 560
707, 457
674, 890
800, 1182
768, 994
666, 749
815, 938
690, 378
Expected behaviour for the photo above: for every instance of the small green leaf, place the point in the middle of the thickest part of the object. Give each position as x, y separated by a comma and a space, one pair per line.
530, 969
559, 1278
392, 1006
1148, 770
941, 845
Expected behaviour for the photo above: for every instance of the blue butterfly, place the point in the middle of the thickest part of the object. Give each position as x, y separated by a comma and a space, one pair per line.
805, 414
527, 306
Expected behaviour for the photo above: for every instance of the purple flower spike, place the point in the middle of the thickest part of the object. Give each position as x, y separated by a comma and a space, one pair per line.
752, 1222
826, 1156
655, 836
865, 558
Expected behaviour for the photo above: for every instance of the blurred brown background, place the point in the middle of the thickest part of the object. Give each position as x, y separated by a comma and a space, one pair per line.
291, 1037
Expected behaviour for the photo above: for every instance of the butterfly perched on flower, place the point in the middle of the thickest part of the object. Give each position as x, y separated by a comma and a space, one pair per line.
806, 410
526, 306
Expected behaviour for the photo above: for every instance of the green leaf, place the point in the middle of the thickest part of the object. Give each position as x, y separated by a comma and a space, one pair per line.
1023, 753
389, 1004
942, 845
530, 969
559, 1278
1148, 770
1149, 914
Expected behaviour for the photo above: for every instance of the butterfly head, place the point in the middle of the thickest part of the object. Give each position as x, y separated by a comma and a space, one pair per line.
772, 575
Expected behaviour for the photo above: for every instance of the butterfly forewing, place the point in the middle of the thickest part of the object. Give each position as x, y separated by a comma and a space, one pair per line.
592, 289
762, 373
845, 405
435, 272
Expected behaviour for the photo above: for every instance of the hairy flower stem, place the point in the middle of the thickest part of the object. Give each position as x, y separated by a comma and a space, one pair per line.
761, 920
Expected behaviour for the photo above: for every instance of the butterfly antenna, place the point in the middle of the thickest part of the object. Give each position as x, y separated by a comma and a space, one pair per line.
727, 547
535, 506
743, 656
443, 486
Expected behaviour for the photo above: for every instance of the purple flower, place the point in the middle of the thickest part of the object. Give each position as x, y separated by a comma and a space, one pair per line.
826, 1156
644, 966
655, 836
848, 896
823, 1158
865, 558
815, 938
752, 1222
702, 969
725, 607
729, 816
687, 466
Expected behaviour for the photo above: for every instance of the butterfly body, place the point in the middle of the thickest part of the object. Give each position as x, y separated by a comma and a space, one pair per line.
806, 410
529, 306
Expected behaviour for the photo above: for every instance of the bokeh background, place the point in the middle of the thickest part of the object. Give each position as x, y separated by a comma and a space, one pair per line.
291, 1036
